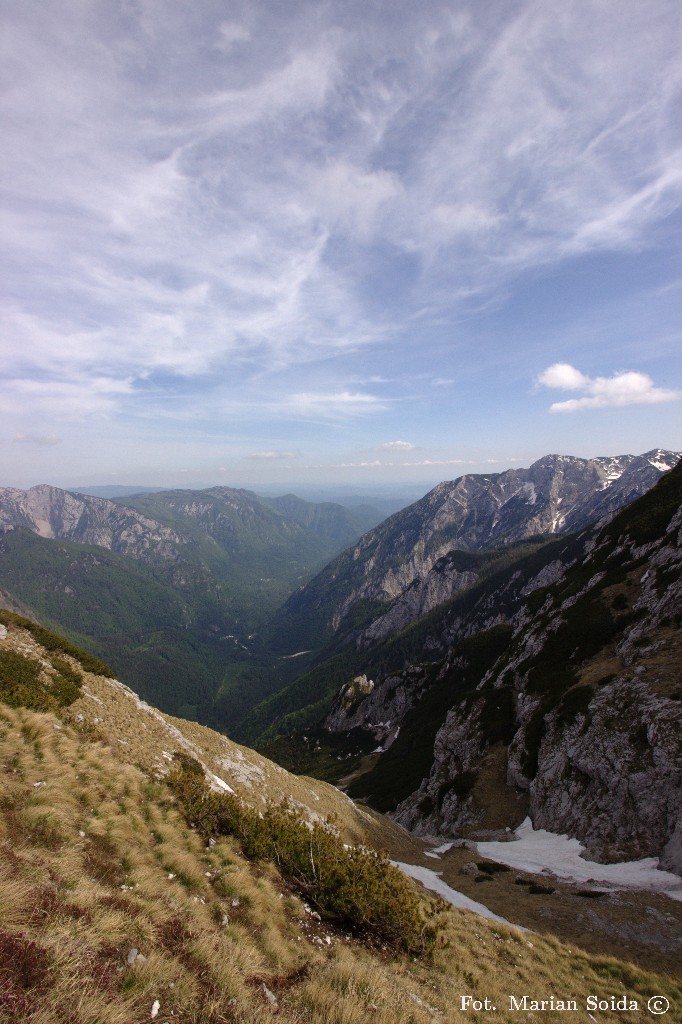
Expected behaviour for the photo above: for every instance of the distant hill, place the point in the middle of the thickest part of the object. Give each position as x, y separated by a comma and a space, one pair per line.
173, 587
113, 491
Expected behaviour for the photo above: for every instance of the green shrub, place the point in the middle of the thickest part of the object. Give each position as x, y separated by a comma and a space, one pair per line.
357, 887
22, 684
52, 642
62, 666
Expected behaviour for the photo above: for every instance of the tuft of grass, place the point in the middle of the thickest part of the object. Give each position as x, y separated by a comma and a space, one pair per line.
357, 887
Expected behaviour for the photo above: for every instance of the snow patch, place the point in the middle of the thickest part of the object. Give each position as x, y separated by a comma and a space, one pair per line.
539, 851
437, 850
432, 880
529, 488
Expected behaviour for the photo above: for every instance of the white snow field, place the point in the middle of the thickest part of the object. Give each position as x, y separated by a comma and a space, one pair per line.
539, 851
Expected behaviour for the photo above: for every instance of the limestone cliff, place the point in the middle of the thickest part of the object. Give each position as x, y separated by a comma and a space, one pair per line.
555, 691
593, 685
54, 513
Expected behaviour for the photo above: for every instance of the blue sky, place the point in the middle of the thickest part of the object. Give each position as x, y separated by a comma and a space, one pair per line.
268, 244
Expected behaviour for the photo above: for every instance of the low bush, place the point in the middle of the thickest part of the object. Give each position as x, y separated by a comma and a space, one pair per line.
52, 642
359, 888
23, 684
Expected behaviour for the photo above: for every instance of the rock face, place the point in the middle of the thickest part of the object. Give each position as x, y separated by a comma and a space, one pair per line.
377, 710
54, 513
441, 583
400, 563
565, 678
613, 777
595, 697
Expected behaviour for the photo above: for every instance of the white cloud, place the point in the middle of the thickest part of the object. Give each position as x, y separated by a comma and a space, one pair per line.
448, 222
358, 465
398, 446
269, 456
412, 465
37, 440
442, 462
230, 34
553, 145
64, 400
624, 388
563, 375
332, 405
350, 198
301, 86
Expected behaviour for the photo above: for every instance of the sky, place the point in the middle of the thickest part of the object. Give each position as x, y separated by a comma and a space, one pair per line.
272, 244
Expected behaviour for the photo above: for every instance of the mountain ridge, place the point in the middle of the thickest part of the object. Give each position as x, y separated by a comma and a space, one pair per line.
471, 513
567, 707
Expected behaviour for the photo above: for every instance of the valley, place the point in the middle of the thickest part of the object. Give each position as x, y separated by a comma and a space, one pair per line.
458, 677
175, 588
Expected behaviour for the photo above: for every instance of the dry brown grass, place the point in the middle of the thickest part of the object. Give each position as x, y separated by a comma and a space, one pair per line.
87, 841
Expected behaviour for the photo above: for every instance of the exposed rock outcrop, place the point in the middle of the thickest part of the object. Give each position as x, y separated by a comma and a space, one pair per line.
378, 710
55, 513
591, 686
397, 563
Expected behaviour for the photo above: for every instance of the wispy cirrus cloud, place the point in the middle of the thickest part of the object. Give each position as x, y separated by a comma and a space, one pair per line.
332, 405
74, 399
624, 388
197, 204
272, 456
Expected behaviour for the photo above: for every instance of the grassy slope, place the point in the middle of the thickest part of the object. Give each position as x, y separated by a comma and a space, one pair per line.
96, 862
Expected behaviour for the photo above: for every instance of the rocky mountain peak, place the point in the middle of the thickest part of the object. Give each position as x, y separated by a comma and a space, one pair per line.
557, 494
58, 514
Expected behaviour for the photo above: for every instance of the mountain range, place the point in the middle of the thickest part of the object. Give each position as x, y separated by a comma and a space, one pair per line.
505, 651
357, 609
172, 587
202, 599
558, 494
